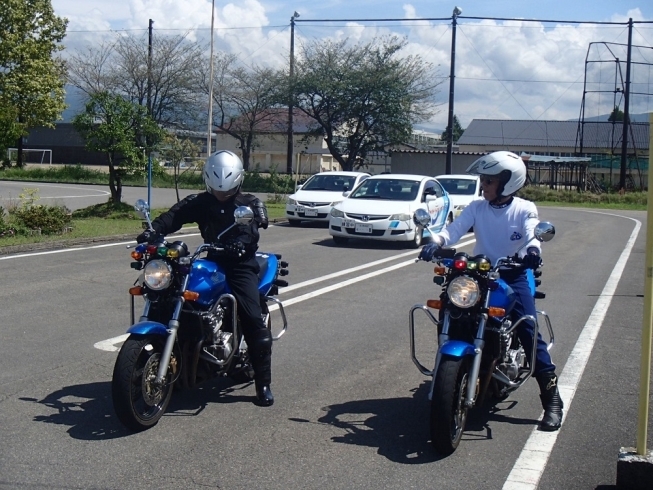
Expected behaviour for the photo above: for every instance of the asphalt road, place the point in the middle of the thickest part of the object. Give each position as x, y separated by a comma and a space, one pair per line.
75, 196
351, 408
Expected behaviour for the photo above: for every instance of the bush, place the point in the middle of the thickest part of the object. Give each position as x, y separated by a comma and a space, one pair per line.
47, 219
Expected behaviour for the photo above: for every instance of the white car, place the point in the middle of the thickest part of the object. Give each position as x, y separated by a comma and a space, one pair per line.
314, 199
382, 208
462, 189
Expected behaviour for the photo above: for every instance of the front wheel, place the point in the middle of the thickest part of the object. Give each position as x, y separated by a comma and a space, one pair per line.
417, 241
140, 403
448, 410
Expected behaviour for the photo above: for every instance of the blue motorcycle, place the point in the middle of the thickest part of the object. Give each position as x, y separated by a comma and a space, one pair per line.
189, 329
479, 351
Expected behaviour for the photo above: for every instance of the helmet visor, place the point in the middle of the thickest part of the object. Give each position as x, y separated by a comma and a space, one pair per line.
223, 195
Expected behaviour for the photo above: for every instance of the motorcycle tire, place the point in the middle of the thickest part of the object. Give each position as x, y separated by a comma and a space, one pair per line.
448, 412
137, 402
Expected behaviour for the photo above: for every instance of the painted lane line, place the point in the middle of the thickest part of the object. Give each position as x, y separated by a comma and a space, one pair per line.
529, 467
110, 345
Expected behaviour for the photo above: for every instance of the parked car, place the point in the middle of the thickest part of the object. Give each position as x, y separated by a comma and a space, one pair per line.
313, 200
462, 190
382, 208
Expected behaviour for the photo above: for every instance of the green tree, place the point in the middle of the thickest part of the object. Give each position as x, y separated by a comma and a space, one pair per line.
120, 129
176, 150
364, 97
31, 77
457, 131
617, 115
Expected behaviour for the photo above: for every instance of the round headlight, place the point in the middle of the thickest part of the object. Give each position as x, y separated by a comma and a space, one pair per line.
463, 292
157, 275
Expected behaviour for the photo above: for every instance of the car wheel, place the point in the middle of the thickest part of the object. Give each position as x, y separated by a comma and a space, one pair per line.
294, 222
340, 240
449, 219
417, 241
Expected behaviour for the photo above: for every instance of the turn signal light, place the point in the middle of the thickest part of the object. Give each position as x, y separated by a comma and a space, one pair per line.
136, 291
436, 304
439, 270
136, 255
496, 312
190, 295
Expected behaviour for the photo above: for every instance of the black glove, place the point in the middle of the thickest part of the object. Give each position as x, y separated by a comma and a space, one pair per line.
234, 248
149, 236
532, 259
428, 251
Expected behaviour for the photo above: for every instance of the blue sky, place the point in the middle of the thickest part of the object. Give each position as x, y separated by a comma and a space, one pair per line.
504, 69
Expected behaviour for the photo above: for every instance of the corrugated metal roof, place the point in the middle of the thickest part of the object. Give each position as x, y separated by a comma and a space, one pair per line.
534, 133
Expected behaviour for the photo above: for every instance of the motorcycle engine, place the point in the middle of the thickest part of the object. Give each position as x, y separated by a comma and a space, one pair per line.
514, 361
220, 347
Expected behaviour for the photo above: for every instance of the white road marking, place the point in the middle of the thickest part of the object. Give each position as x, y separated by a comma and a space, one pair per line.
529, 467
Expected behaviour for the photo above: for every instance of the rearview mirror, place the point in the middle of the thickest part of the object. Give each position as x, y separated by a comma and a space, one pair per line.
142, 208
544, 231
422, 218
243, 215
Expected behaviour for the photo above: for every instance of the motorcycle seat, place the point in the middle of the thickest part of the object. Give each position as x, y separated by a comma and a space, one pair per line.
263, 265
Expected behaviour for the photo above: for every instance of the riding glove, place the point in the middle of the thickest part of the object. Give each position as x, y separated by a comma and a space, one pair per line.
234, 248
532, 259
428, 251
149, 236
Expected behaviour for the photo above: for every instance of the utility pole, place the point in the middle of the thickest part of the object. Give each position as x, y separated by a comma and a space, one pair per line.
626, 122
456, 12
149, 111
210, 122
291, 94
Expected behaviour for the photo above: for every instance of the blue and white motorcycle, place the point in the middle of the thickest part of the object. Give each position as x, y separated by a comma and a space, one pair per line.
189, 330
479, 351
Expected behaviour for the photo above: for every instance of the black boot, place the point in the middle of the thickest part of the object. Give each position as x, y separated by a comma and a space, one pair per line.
551, 401
264, 396
261, 357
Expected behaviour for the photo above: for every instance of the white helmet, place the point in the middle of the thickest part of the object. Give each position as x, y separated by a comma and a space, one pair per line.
508, 166
223, 174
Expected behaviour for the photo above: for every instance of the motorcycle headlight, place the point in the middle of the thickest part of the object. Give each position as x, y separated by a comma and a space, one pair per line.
463, 292
336, 213
157, 275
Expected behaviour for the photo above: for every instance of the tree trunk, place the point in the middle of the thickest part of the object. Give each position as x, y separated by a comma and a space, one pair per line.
113, 178
19, 152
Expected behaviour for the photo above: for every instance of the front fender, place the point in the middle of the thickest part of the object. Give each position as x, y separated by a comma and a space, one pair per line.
456, 348
148, 327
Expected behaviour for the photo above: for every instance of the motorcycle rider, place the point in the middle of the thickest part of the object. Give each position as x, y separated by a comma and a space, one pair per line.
503, 223
213, 211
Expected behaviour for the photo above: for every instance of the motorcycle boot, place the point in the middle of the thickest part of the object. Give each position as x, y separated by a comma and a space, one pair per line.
261, 357
551, 401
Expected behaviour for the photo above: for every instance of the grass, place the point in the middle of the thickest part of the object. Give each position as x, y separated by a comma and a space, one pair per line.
102, 220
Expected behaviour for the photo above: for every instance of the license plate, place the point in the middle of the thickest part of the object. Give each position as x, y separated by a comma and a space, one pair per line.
348, 223
363, 228
310, 212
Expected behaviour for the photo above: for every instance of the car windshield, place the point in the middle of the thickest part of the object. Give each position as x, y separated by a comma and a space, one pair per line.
465, 187
326, 182
392, 189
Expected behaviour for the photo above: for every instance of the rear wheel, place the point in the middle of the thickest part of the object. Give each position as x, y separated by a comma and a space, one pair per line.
448, 411
138, 401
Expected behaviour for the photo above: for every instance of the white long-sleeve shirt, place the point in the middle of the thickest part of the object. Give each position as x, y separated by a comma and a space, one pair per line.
500, 232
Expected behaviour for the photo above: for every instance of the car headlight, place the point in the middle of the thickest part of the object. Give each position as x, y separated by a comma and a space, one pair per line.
157, 275
291, 201
336, 213
400, 217
463, 292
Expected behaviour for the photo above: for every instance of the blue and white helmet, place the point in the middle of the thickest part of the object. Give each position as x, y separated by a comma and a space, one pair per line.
505, 165
223, 174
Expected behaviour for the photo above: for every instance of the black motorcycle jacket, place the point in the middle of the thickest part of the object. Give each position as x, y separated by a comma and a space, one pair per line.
213, 217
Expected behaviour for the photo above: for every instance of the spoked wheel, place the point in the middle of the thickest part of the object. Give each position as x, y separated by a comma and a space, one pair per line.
448, 411
139, 403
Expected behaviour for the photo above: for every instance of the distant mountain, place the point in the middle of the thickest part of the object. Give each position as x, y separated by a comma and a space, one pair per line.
633, 118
